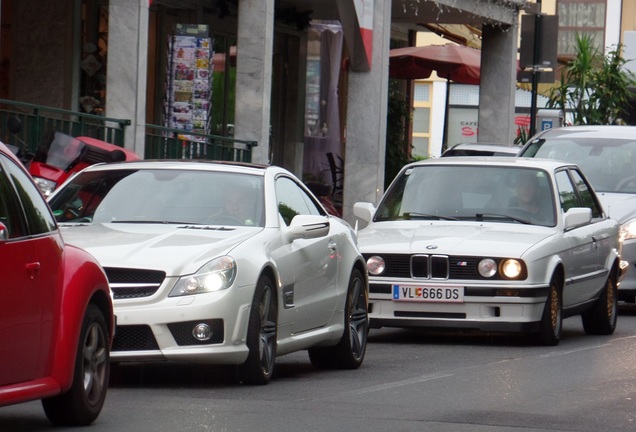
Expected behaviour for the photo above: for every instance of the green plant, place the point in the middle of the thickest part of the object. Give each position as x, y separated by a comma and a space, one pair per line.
593, 87
522, 135
286, 212
398, 148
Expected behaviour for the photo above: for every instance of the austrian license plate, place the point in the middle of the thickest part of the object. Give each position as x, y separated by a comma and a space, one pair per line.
452, 294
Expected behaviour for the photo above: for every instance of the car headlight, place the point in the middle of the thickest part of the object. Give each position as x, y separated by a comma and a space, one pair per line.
487, 267
46, 186
507, 268
628, 230
216, 275
511, 268
376, 265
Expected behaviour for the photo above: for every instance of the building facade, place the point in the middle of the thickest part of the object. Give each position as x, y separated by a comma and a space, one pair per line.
608, 22
111, 56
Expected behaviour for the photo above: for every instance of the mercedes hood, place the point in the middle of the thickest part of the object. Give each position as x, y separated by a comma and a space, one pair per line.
175, 249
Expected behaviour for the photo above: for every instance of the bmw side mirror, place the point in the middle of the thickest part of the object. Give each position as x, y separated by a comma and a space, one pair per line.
364, 211
577, 216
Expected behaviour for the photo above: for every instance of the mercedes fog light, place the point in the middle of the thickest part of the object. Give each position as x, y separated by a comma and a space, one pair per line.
202, 332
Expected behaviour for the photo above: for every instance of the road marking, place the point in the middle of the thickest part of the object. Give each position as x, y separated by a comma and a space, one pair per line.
395, 384
560, 353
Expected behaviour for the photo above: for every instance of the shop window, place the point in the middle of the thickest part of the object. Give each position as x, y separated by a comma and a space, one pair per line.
422, 93
567, 40
420, 146
421, 126
582, 17
582, 14
421, 120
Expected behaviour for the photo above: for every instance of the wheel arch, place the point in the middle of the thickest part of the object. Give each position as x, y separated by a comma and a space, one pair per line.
84, 282
553, 265
359, 264
104, 302
615, 271
559, 272
269, 270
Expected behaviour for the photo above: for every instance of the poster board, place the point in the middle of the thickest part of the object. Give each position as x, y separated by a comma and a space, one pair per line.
189, 80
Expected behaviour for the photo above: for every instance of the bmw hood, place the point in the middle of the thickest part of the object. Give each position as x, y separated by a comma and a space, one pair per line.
451, 238
175, 249
619, 206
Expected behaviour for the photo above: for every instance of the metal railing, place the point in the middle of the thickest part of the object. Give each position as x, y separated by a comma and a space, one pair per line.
37, 121
168, 143
161, 142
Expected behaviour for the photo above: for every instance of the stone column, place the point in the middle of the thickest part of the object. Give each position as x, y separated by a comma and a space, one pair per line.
498, 83
254, 75
127, 68
366, 120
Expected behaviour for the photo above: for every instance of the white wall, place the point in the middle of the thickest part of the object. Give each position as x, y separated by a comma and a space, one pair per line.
438, 108
629, 52
612, 24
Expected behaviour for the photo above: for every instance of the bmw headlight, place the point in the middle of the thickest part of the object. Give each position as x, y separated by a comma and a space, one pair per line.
628, 230
487, 267
216, 275
511, 268
508, 268
376, 265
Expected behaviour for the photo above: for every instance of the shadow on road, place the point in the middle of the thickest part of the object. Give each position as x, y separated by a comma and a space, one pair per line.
627, 309
179, 375
448, 337
297, 366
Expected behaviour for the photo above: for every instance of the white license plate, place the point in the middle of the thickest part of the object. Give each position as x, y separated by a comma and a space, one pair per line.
452, 294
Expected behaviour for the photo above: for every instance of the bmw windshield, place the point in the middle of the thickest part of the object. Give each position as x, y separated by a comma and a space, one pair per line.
470, 192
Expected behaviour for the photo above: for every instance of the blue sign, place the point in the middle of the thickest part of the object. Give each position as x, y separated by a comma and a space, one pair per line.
546, 124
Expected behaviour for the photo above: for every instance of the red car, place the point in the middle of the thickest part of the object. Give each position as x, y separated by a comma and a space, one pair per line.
56, 312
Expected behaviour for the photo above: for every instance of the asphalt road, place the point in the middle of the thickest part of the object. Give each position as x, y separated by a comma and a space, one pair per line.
410, 381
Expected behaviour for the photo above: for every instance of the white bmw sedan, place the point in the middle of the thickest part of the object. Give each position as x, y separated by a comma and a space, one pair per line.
492, 244
219, 263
